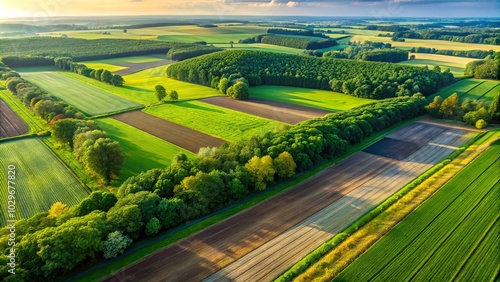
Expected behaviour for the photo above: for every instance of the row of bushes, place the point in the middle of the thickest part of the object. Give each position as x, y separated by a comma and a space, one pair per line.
292, 42
103, 75
103, 226
363, 79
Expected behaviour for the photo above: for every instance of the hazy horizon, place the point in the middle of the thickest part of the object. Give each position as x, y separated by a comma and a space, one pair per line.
223, 8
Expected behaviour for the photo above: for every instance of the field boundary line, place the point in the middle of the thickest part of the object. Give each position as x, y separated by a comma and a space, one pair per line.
486, 93
475, 86
332, 250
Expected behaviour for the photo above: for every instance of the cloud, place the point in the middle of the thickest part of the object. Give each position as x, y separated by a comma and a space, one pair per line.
292, 4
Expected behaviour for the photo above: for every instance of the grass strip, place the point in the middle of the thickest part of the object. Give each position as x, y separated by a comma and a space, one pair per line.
146, 247
334, 255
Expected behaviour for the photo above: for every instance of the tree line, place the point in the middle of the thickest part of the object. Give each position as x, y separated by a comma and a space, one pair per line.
103, 225
362, 79
289, 41
96, 49
302, 32
103, 75
40, 102
466, 35
477, 54
472, 112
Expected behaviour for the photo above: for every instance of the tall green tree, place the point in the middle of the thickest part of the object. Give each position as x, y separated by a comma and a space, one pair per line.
284, 165
173, 95
450, 108
63, 131
117, 80
160, 92
104, 157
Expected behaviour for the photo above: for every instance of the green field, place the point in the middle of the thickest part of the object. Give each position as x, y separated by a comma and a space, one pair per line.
455, 64
481, 90
142, 84
449, 236
322, 99
142, 150
438, 44
41, 179
86, 98
213, 120
114, 64
461, 87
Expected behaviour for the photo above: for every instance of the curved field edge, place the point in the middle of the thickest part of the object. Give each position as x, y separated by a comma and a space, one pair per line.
37, 188
441, 234
334, 255
143, 248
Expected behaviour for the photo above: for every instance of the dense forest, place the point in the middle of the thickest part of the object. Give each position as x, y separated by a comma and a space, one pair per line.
303, 32
363, 79
369, 51
489, 68
104, 224
83, 49
290, 41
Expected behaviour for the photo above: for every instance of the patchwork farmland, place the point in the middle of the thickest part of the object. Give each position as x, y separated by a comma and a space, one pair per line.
344, 192
41, 178
446, 237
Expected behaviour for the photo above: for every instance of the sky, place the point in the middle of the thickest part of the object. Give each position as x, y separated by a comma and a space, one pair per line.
371, 8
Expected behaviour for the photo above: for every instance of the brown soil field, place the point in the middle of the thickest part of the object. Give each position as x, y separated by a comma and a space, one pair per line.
10, 124
179, 135
261, 242
280, 111
131, 67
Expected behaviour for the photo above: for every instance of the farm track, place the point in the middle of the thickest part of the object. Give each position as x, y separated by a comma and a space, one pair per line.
137, 67
279, 111
179, 135
271, 259
261, 242
10, 124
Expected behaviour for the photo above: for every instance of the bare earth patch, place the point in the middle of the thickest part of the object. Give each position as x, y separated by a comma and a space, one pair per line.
280, 111
179, 135
10, 124
263, 241
136, 67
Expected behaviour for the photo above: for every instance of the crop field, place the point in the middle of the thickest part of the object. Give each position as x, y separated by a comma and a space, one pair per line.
41, 178
34, 123
10, 123
438, 44
142, 150
128, 65
279, 111
261, 242
220, 122
455, 64
321, 99
88, 99
482, 91
179, 135
449, 237
461, 87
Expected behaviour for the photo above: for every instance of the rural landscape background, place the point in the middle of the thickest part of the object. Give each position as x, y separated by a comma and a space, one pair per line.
249, 140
